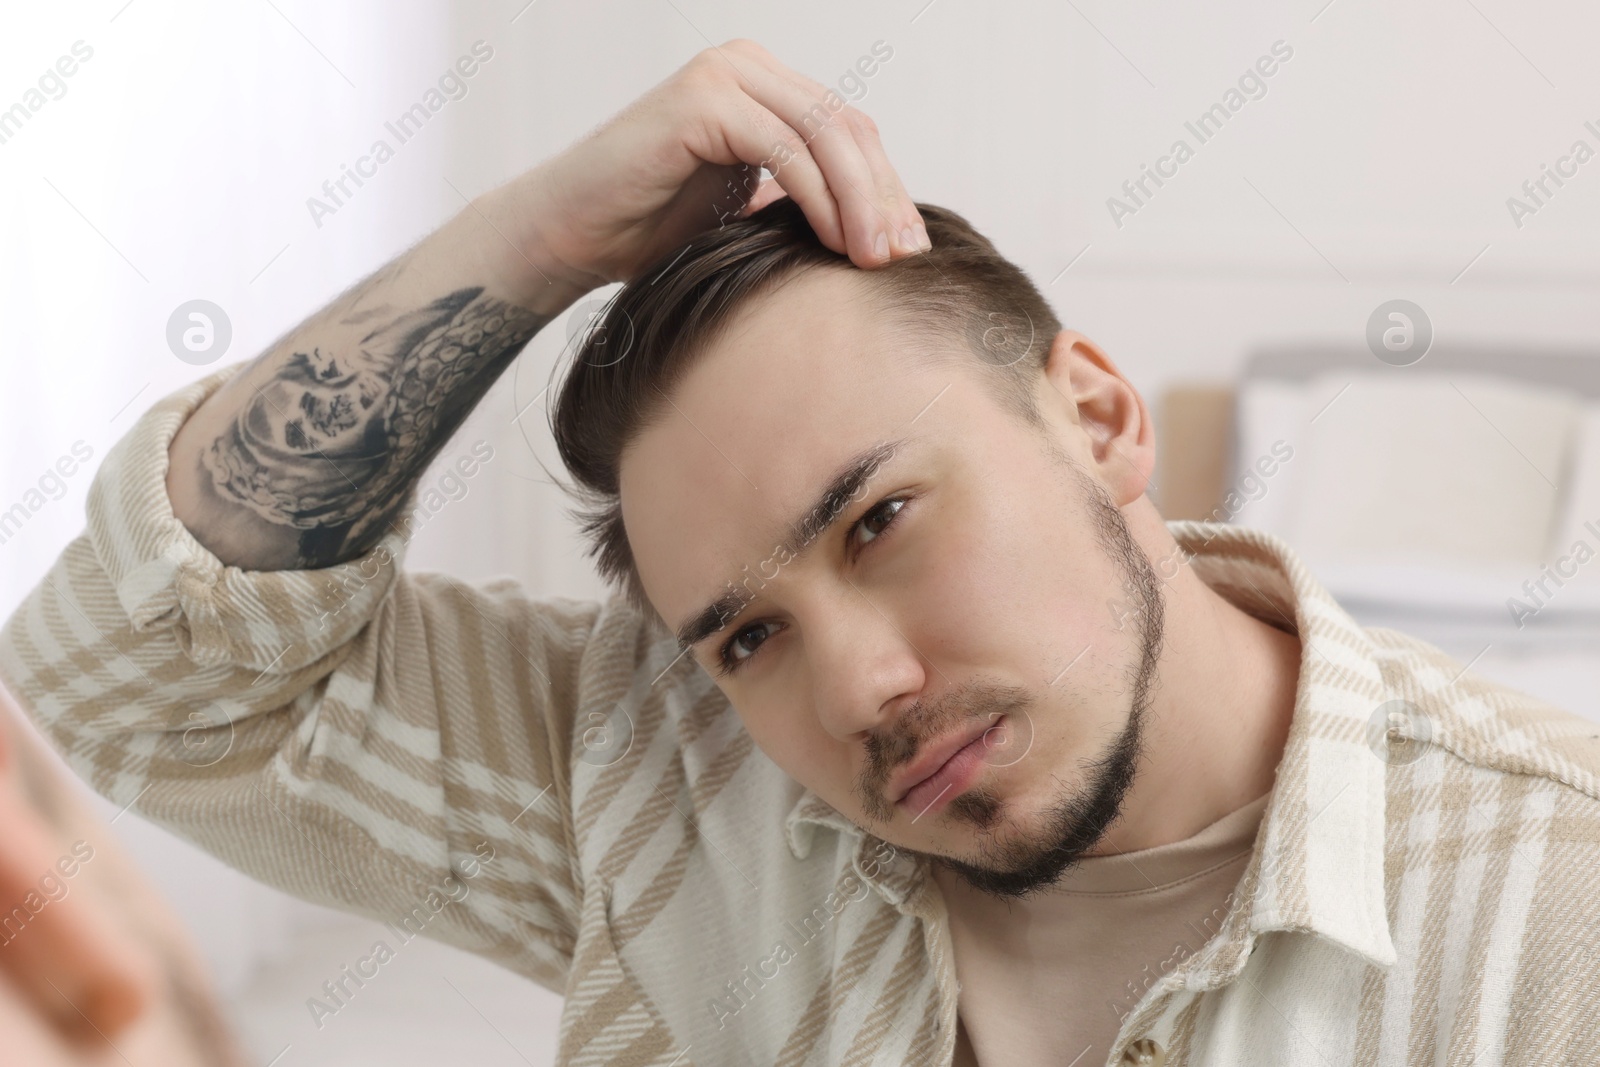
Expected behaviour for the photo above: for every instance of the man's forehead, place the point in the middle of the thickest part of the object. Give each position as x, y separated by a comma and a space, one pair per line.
797, 384
850, 481
707, 527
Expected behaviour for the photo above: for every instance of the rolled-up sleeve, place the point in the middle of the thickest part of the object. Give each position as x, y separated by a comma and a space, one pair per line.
396, 744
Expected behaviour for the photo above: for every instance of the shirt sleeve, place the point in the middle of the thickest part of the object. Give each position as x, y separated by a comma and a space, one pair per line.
390, 743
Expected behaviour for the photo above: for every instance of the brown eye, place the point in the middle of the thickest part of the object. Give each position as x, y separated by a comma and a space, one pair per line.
742, 646
878, 520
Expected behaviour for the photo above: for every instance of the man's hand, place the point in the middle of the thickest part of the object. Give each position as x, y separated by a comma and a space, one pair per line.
684, 158
305, 458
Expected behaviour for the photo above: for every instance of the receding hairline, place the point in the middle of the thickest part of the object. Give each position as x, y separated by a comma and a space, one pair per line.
949, 345
707, 338
964, 288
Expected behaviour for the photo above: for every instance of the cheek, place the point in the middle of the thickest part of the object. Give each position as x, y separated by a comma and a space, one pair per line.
792, 738
1015, 588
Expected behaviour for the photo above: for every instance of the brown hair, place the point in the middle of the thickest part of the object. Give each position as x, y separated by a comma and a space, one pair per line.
650, 332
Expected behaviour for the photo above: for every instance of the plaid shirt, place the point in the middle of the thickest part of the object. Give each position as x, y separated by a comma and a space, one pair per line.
546, 783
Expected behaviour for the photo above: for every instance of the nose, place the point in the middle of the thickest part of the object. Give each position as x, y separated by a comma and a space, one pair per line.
863, 664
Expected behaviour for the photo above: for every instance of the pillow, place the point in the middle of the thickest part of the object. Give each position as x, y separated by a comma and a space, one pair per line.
1427, 489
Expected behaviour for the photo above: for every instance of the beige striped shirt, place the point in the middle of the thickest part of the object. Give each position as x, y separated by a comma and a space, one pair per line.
545, 782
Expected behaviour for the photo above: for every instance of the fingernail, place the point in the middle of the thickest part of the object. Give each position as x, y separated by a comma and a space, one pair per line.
881, 246
922, 238
908, 240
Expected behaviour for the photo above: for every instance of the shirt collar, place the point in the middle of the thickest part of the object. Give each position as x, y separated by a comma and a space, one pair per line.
1318, 865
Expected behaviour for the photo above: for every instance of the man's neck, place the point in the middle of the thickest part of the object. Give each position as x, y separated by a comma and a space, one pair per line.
1219, 717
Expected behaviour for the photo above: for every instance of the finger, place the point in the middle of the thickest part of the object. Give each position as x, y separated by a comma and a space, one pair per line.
849, 179
731, 189
907, 233
909, 236
740, 130
63, 953
895, 207
768, 191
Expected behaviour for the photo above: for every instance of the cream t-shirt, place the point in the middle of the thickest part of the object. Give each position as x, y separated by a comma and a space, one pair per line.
1047, 981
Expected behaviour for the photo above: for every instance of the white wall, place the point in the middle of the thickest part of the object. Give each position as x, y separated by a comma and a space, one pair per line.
1377, 165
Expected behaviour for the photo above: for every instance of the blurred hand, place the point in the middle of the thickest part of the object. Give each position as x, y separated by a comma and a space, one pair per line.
92, 972
66, 957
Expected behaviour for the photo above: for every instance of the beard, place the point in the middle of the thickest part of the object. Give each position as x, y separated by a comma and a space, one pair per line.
1078, 818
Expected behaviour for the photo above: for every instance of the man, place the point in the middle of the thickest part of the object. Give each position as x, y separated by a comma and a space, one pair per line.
93, 967
917, 737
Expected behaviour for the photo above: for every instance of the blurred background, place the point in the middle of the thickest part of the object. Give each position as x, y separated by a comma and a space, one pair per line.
1360, 301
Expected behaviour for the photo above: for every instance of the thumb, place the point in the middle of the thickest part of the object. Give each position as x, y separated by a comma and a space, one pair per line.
768, 191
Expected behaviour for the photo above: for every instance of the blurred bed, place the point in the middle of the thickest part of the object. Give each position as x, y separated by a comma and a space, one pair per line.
1456, 499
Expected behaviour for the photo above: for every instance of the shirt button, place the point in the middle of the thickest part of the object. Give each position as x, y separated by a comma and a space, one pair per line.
1144, 1053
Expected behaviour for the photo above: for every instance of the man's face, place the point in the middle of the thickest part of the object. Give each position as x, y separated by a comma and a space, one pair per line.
976, 581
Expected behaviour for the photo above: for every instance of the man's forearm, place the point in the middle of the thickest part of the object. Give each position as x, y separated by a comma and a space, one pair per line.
303, 459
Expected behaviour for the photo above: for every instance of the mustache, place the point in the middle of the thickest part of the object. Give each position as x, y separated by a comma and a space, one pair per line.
926, 721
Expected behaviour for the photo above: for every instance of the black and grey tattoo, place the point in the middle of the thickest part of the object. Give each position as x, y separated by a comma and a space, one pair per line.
333, 443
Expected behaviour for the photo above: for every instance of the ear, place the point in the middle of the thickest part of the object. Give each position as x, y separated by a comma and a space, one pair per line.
1116, 437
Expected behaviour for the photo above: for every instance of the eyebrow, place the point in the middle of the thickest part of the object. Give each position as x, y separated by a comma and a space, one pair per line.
813, 522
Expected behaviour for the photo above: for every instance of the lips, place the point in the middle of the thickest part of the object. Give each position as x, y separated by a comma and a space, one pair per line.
936, 756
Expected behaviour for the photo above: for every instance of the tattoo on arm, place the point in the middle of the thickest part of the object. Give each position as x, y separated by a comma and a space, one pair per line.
332, 444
